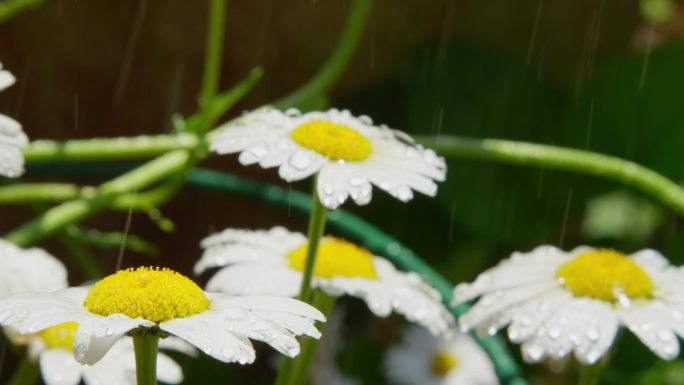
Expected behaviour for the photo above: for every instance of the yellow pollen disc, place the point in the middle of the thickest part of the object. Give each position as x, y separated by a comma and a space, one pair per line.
335, 257
59, 336
151, 293
442, 363
335, 141
602, 274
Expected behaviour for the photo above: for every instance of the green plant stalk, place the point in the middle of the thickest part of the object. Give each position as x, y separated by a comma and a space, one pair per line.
73, 211
302, 362
38, 192
146, 346
138, 147
314, 234
315, 231
560, 158
212, 60
333, 68
590, 374
27, 373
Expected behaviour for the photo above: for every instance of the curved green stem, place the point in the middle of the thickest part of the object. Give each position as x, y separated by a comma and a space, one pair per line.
585, 162
212, 59
27, 373
146, 346
108, 148
336, 63
73, 211
590, 374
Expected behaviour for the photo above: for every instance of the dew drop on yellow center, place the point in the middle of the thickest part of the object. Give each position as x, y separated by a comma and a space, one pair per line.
336, 141
59, 336
442, 363
604, 274
335, 257
151, 293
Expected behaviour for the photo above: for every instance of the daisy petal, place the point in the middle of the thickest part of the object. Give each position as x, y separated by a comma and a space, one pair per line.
202, 331
32, 312
6, 79
96, 335
58, 367
256, 279
337, 182
652, 325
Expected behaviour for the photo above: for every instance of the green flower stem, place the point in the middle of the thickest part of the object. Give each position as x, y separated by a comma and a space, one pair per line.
146, 345
327, 76
302, 362
212, 59
73, 211
38, 192
27, 373
314, 234
584, 162
109, 148
590, 374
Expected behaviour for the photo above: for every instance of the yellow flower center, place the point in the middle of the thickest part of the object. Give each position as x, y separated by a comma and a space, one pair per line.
442, 363
605, 274
151, 293
59, 336
335, 257
335, 141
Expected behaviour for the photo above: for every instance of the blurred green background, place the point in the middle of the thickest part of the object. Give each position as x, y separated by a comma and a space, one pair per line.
602, 75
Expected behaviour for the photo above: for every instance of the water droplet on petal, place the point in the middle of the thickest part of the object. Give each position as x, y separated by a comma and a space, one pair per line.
356, 181
665, 335
260, 151
593, 334
300, 160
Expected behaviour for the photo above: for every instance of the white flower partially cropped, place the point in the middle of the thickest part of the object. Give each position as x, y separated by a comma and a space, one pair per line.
422, 359
557, 302
29, 270
272, 261
52, 348
12, 138
215, 323
347, 152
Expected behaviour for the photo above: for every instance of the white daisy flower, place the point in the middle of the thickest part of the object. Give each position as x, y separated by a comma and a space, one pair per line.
422, 359
558, 302
347, 152
271, 262
52, 348
215, 323
29, 270
12, 138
